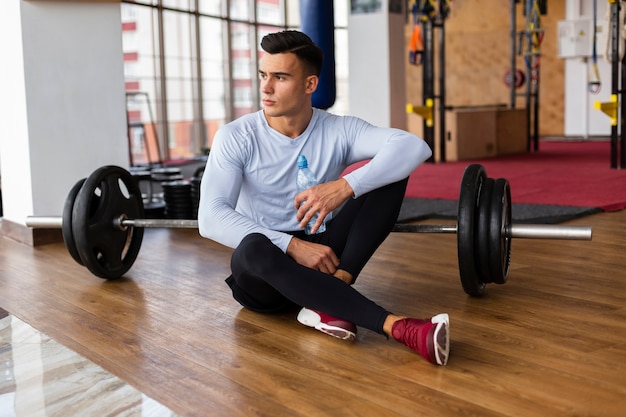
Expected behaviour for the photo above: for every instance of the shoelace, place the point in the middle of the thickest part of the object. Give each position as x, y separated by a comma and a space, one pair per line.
415, 336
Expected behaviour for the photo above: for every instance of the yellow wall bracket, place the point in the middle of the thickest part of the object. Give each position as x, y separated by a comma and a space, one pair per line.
609, 108
425, 111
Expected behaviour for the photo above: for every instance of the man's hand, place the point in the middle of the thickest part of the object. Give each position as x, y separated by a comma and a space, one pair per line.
321, 199
313, 255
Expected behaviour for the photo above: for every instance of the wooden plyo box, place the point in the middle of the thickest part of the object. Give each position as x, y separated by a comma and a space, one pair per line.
511, 131
484, 133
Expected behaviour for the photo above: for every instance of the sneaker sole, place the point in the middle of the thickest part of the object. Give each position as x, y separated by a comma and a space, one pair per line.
441, 338
311, 319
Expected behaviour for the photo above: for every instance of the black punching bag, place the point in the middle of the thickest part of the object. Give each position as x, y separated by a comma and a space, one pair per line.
318, 22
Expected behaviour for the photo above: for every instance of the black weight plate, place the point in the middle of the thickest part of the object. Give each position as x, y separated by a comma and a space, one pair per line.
177, 208
166, 171
499, 243
169, 209
141, 175
106, 250
179, 190
66, 222
154, 209
178, 213
176, 193
180, 201
198, 173
180, 216
174, 184
181, 198
471, 183
481, 237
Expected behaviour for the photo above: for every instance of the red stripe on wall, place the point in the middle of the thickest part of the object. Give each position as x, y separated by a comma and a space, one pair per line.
131, 56
134, 116
132, 85
129, 26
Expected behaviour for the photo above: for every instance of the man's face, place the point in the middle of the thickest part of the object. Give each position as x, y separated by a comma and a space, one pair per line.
285, 89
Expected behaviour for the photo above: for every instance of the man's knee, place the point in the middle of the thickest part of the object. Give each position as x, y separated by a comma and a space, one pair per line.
255, 252
252, 241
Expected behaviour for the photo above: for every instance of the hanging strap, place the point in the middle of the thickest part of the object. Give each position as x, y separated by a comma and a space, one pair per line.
416, 46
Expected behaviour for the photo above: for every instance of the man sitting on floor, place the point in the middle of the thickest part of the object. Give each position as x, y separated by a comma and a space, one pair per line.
249, 202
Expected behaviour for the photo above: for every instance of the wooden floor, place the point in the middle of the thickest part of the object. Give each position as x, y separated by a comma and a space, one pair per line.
550, 342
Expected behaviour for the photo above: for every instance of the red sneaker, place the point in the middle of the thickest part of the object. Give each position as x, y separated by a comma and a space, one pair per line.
335, 327
429, 338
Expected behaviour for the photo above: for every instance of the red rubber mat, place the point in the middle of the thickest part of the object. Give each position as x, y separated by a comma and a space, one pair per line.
560, 173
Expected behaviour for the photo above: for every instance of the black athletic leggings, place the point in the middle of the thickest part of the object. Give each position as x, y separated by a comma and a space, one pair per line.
265, 279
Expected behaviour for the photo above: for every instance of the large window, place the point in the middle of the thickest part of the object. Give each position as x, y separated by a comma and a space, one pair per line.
191, 66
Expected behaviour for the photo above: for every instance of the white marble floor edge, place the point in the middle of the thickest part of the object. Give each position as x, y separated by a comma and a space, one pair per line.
39, 377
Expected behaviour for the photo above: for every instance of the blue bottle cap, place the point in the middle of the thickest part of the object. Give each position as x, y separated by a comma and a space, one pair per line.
302, 162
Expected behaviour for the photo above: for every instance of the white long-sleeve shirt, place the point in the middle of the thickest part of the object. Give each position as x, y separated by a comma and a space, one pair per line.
249, 182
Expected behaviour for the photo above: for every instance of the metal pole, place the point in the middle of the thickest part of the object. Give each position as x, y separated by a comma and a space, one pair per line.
201, 139
536, 107
523, 231
614, 33
518, 231
542, 231
159, 223
424, 228
535, 60
513, 54
620, 160
428, 81
442, 87
41, 222
161, 95
529, 76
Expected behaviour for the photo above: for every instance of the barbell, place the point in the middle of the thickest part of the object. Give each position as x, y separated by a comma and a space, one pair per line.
102, 226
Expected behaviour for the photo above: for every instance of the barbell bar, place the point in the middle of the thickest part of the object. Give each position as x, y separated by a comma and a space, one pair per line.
517, 231
55, 222
103, 226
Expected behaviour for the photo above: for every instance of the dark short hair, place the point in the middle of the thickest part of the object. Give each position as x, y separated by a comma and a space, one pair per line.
298, 43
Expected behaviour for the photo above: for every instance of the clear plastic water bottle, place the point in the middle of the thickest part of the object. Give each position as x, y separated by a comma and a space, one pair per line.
305, 180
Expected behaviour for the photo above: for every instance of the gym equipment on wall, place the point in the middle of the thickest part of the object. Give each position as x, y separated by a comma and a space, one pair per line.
618, 78
532, 35
429, 15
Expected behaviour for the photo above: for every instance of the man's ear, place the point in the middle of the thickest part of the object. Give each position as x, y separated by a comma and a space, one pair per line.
311, 83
